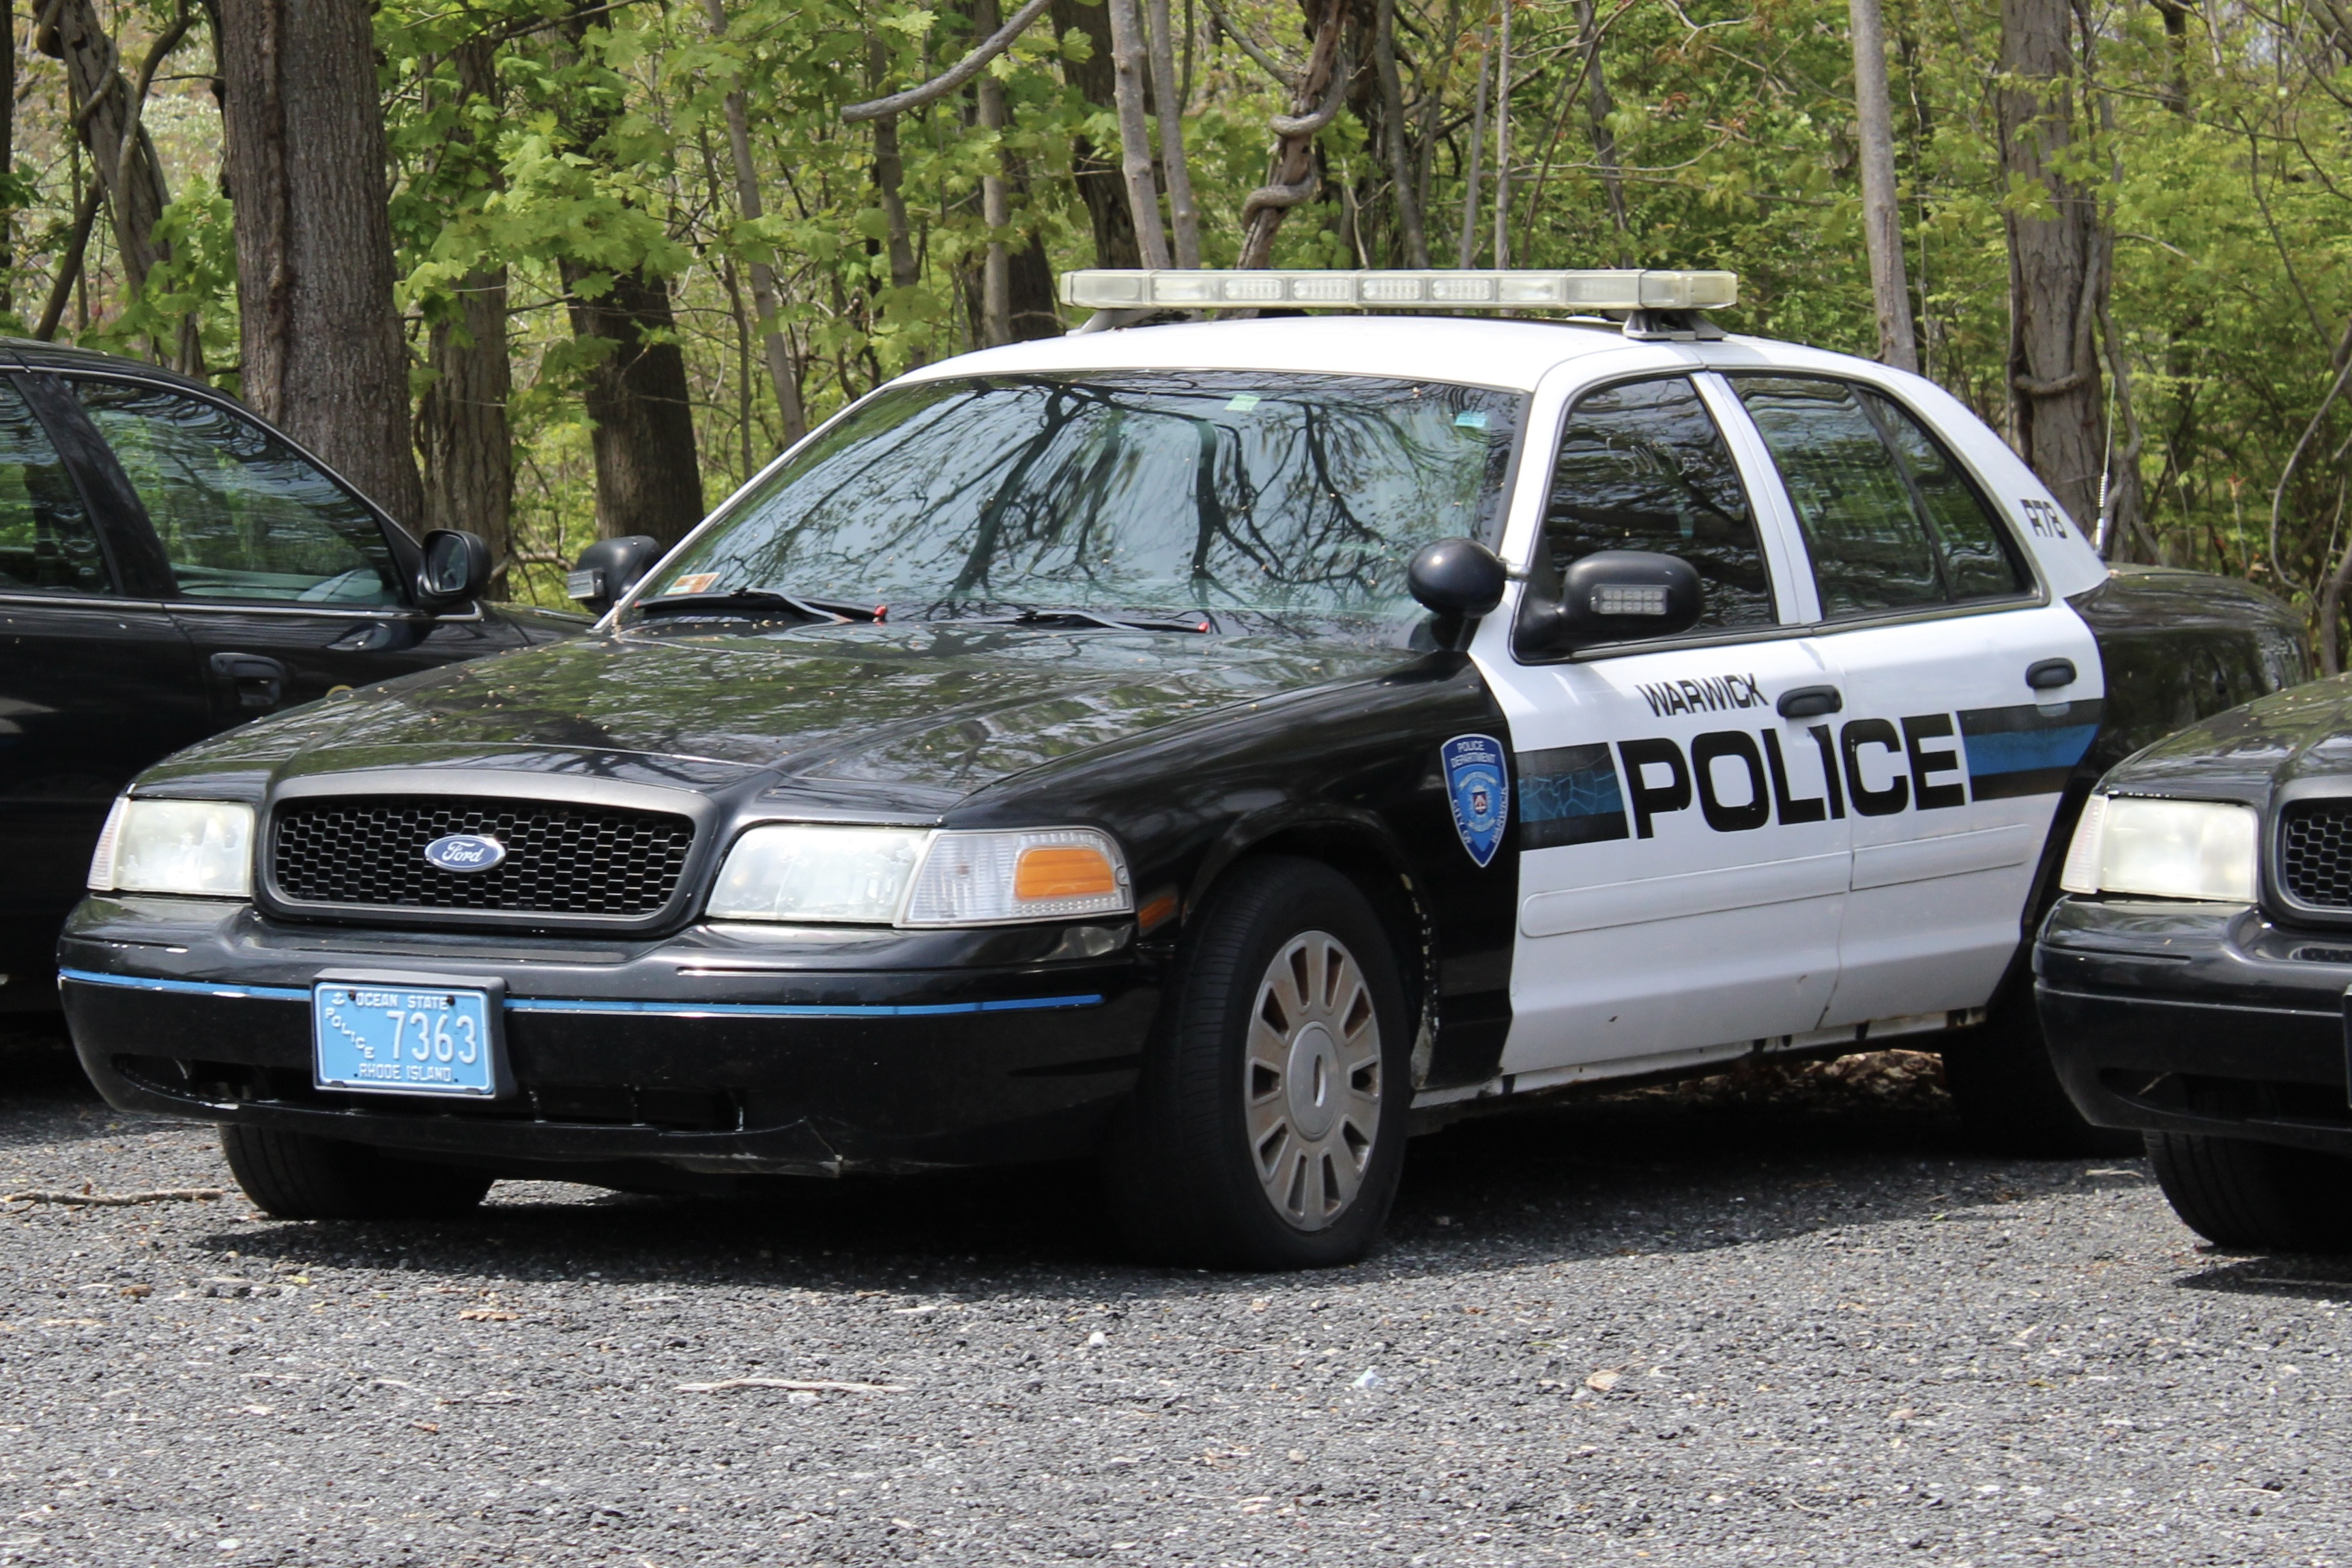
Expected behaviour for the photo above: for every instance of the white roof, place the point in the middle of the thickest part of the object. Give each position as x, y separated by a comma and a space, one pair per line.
1513, 355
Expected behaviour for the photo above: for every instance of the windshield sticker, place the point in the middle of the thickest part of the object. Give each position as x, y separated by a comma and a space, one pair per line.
1470, 419
692, 583
1243, 402
1477, 788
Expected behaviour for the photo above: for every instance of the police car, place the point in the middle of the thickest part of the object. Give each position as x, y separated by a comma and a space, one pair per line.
1217, 747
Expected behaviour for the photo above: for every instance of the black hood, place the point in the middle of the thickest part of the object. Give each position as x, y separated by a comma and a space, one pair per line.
926, 714
2249, 752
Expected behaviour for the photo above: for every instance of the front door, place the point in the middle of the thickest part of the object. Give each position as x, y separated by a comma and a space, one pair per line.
95, 685
1683, 847
1952, 761
288, 585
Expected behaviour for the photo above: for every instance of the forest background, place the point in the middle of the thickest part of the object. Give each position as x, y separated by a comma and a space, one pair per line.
555, 271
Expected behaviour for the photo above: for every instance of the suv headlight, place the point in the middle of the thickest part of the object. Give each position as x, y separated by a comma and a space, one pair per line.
2163, 849
203, 848
821, 873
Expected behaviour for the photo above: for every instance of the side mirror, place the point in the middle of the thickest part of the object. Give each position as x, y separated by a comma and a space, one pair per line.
456, 569
1457, 579
1621, 595
610, 568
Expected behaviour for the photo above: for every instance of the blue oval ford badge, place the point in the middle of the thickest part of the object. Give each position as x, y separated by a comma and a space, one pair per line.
465, 852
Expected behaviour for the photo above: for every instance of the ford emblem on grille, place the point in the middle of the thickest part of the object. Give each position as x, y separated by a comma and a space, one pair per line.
464, 852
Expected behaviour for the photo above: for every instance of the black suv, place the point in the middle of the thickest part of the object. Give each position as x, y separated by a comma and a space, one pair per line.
171, 566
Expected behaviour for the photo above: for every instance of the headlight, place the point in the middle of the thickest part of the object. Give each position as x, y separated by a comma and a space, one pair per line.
997, 879
198, 847
912, 877
806, 871
2163, 849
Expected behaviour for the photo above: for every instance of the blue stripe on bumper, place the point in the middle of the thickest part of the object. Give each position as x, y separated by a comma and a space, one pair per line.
653, 1009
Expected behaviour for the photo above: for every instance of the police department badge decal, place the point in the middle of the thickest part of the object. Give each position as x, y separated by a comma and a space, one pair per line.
1478, 788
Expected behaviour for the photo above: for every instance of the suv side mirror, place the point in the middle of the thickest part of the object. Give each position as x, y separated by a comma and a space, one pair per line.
456, 569
1619, 595
1457, 579
610, 568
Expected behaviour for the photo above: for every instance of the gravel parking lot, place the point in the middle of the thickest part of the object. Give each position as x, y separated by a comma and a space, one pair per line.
1781, 1318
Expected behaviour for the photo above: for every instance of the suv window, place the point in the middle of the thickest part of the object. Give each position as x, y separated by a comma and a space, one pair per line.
46, 540
1643, 467
240, 514
1890, 520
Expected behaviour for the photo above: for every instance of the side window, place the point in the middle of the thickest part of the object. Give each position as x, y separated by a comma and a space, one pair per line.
1643, 467
240, 514
1979, 562
46, 540
1891, 521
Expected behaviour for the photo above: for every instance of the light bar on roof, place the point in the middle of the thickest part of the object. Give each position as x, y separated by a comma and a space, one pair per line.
1628, 288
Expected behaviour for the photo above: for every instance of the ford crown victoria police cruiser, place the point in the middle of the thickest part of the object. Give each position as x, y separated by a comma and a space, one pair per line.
1047, 757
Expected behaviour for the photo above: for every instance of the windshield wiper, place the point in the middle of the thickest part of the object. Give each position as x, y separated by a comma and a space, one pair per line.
750, 602
1199, 621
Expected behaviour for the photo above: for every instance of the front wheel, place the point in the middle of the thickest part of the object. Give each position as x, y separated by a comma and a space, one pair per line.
295, 1176
1268, 1127
2258, 1197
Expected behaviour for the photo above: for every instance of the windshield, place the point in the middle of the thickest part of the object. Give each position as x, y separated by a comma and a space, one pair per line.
1161, 490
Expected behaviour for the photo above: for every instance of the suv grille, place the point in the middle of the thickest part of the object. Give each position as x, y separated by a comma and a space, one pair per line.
560, 859
2316, 853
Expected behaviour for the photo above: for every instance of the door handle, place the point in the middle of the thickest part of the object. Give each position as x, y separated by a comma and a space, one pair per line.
2048, 674
1810, 702
259, 680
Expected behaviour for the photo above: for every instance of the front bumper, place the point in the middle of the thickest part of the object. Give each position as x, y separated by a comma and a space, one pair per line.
718, 1051
2177, 1017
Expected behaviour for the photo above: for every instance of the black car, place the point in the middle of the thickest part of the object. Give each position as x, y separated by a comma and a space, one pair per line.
2194, 980
170, 566
1046, 759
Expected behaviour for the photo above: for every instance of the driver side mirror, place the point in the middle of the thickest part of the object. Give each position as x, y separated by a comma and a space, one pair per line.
456, 569
1457, 579
1619, 595
610, 568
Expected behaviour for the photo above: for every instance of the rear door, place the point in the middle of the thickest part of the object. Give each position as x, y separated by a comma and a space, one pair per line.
95, 682
287, 583
1684, 856
1952, 756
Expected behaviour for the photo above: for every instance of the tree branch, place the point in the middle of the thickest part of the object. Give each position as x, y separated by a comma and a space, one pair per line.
954, 77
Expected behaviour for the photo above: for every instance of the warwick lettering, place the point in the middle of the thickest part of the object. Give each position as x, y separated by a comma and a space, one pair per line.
1708, 696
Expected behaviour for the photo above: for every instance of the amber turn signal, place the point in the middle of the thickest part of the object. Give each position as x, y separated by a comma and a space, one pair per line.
1063, 872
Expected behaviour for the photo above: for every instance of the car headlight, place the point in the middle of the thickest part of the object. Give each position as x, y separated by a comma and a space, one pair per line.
203, 848
913, 877
2163, 849
810, 871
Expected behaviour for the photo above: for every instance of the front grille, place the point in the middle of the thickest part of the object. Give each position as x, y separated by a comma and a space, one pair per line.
562, 859
2316, 853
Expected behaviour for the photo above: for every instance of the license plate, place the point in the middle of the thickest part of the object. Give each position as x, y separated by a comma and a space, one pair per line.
398, 1037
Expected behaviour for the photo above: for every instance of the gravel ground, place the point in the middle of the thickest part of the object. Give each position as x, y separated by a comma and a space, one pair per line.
1786, 1317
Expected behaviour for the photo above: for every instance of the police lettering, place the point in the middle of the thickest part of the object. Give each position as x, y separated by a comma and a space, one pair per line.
1740, 780
1712, 695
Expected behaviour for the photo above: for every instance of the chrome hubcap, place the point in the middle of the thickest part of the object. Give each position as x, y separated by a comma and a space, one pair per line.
1312, 1080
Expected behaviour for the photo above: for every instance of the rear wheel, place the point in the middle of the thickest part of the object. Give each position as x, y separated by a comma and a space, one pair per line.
295, 1176
1269, 1129
2261, 1197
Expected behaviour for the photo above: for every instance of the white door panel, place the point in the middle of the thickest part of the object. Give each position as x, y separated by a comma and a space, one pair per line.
1805, 877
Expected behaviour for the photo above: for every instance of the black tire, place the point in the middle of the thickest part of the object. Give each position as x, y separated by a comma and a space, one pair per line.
2259, 1197
295, 1176
1183, 1169
2008, 1093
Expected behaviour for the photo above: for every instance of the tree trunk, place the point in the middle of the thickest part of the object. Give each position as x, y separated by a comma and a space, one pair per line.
322, 353
2054, 284
995, 194
1882, 217
135, 193
1598, 108
461, 423
1467, 251
766, 299
8, 162
1097, 178
648, 478
1290, 177
1183, 216
1414, 238
1127, 64
1503, 140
